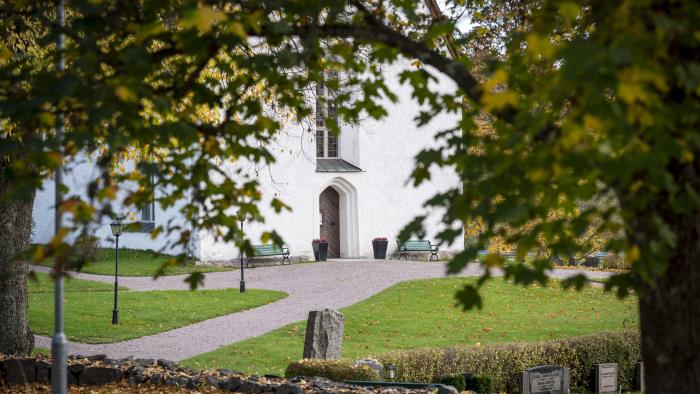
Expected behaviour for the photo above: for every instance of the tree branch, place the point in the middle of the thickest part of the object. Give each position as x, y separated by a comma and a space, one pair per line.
382, 34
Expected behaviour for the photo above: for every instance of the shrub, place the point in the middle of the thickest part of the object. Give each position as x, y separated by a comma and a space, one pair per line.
503, 363
331, 369
615, 261
455, 380
496, 367
478, 383
87, 248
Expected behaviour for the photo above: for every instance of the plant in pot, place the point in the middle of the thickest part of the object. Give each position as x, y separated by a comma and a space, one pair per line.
379, 246
320, 247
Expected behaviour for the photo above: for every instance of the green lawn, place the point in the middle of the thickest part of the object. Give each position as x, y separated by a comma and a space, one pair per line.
41, 351
43, 283
422, 314
140, 263
88, 309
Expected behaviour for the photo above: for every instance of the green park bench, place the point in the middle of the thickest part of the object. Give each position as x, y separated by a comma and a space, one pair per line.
268, 251
417, 245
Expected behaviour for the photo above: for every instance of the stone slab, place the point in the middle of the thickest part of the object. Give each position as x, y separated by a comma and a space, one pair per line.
20, 371
324, 334
606, 378
549, 379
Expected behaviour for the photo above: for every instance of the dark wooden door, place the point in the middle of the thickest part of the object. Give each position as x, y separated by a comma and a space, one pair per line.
328, 203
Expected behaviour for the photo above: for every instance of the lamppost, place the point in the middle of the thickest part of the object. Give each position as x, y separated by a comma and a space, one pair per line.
241, 217
391, 371
117, 228
59, 378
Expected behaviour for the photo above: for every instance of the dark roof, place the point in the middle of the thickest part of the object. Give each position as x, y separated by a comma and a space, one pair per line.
335, 165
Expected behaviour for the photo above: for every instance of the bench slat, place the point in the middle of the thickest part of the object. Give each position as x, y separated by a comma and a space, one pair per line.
416, 245
267, 250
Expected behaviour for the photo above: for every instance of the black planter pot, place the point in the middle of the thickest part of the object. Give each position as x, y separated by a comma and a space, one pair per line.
323, 251
314, 245
379, 248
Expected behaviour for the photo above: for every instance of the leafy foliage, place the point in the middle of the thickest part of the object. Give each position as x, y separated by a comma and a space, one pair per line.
332, 369
584, 101
455, 380
503, 364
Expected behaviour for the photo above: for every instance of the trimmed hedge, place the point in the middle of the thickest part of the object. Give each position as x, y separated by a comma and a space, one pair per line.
455, 380
331, 369
502, 363
480, 384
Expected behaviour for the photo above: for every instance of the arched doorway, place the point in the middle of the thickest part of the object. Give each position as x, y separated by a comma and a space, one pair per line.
338, 221
329, 209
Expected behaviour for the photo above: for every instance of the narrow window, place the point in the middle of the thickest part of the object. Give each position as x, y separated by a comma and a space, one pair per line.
148, 211
326, 141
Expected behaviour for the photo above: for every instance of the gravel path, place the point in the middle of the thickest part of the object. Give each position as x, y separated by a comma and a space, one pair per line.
333, 284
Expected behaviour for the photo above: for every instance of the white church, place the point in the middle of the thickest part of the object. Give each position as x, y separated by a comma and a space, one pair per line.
347, 188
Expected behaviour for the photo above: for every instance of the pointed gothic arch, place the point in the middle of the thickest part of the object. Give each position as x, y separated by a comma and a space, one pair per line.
347, 206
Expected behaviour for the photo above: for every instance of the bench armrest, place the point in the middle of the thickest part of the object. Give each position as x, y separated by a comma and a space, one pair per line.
285, 250
434, 247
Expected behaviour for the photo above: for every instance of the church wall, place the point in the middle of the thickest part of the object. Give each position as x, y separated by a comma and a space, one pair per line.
77, 175
385, 200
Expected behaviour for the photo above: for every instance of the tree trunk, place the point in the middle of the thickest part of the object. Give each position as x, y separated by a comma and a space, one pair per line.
15, 230
670, 317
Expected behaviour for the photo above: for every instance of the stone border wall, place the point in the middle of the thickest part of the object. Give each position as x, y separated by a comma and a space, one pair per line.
98, 370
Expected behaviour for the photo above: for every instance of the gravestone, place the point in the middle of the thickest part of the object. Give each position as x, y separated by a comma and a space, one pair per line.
639, 383
549, 379
324, 334
98, 376
605, 378
374, 365
19, 370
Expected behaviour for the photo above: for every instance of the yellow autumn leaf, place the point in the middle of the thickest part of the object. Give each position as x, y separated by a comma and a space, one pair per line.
39, 253
57, 239
537, 174
687, 156
569, 11
632, 254
631, 91
499, 77
69, 205
237, 28
5, 53
493, 260
594, 124
636, 186
496, 101
538, 45
54, 158
125, 94
203, 18
635, 83
109, 192
572, 134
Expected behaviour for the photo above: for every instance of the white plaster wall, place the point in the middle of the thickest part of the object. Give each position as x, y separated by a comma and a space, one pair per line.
350, 144
386, 202
77, 176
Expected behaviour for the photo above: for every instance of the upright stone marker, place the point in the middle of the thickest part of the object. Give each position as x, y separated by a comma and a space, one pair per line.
639, 382
374, 365
324, 334
605, 378
549, 379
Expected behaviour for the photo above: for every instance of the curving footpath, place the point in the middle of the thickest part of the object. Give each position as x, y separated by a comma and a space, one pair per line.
333, 284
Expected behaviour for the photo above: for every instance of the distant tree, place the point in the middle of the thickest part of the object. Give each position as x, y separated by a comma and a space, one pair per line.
587, 100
